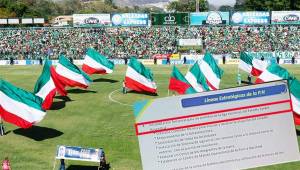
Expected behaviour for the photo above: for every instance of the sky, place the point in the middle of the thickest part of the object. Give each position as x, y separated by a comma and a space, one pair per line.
219, 3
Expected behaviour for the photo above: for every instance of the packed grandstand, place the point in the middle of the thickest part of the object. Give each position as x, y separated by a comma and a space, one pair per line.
143, 42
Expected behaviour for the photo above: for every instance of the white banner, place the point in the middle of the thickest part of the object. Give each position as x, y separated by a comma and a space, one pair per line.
13, 21
27, 21
190, 42
4, 62
192, 56
237, 128
285, 17
91, 20
3, 21
38, 20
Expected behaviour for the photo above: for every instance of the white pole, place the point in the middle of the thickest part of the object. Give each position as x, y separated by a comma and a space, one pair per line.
54, 164
197, 5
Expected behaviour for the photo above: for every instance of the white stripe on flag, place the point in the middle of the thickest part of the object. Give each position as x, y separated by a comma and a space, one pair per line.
94, 64
259, 64
267, 76
65, 72
193, 81
296, 104
46, 89
209, 74
20, 109
131, 73
244, 66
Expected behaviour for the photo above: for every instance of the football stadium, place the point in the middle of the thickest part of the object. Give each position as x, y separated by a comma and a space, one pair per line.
88, 85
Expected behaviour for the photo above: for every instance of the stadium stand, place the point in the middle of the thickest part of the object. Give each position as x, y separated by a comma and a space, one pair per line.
143, 42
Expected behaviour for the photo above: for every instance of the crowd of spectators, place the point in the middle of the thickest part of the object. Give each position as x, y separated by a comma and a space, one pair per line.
143, 42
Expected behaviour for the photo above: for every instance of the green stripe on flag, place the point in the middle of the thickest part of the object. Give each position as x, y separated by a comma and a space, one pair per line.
140, 68
21, 95
66, 63
44, 78
100, 58
246, 58
177, 74
209, 59
294, 84
196, 71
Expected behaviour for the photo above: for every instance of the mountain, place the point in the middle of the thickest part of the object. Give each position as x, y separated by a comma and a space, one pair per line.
139, 2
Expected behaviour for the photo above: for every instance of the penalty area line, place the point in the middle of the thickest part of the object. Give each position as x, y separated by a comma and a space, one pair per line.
116, 101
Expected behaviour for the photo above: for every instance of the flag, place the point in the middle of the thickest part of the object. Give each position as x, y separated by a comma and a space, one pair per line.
19, 107
70, 75
45, 86
95, 63
179, 84
252, 65
60, 86
139, 78
275, 72
211, 71
196, 78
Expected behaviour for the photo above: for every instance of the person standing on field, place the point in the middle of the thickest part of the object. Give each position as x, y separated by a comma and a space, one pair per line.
6, 164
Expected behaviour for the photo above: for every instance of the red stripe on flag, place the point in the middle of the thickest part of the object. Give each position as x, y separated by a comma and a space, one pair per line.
11, 118
210, 85
134, 85
255, 72
296, 119
259, 81
91, 70
49, 100
178, 86
60, 86
71, 83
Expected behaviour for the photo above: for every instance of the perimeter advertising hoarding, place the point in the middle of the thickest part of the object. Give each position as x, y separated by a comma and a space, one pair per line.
209, 18
250, 18
170, 19
190, 42
130, 19
13, 21
91, 20
236, 128
3, 21
285, 17
38, 20
27, 21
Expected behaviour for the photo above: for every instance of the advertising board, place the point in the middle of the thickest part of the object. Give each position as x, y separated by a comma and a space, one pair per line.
209, 18
130, 19
285, 17
170, 19
250, 18
91, 20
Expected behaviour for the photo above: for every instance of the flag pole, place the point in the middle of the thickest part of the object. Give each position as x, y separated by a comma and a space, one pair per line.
2, 131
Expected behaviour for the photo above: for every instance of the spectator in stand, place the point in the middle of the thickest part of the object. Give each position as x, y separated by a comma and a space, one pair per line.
143, 42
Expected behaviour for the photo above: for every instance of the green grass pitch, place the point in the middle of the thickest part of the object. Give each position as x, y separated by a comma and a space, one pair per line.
91, 119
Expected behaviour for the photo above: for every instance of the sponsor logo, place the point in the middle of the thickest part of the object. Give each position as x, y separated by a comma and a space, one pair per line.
237, 17
214, 18
169, 20
291, 17
91, 20
117, 19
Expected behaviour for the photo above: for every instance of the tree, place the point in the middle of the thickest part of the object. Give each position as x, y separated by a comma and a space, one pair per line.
225, 8
187, 6
263, 5
19, 8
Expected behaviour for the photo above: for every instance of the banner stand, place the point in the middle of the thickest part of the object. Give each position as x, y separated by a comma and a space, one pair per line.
2, 131
80, 154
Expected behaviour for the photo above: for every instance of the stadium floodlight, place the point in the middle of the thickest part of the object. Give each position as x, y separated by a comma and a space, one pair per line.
197, 5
